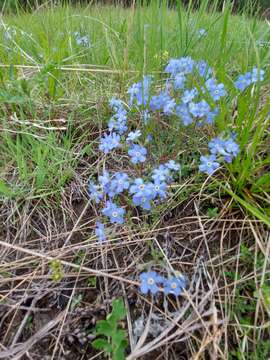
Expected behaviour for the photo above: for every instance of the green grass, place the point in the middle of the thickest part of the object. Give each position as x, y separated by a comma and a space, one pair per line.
120, 36
54, 104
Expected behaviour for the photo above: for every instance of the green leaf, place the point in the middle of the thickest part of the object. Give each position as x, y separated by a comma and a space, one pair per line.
102, 344
118, 338
116, 341
118, 312
212, 212
104, 328
119, 354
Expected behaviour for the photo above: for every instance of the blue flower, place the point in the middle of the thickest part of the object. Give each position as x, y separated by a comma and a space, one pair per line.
189, 95
232, 148
202, 33
174, 286
81, 40
94, 192
199, 109
149, 138
183, 113
133, 135
243, 81
226, 148
115, 104
162, 173
217, 146
105, 180
137, 153
183, 65
160, 189
162, 101
141, 189
173, 67
215, 90
138, 187
179, 82
257, 75
119, 183
109, 142
142, 201
100, 231
84, 40
169, 106
118, 121
210, 117
139, 92
114, 213
172, 165
203, 69
208, 164
149, 282
143, 193
117, 126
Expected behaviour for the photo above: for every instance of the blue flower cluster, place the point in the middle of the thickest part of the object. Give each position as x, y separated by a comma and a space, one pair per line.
113, 188
139, 92
188, 100
109, 142
143, 193
221, 150
180, 98
118, 122
251, 77
192, 102
151, 282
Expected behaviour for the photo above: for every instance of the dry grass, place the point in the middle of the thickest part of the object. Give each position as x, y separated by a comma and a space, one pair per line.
37, 311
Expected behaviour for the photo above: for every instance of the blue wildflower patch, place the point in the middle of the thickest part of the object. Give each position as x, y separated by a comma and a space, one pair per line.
191, 95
